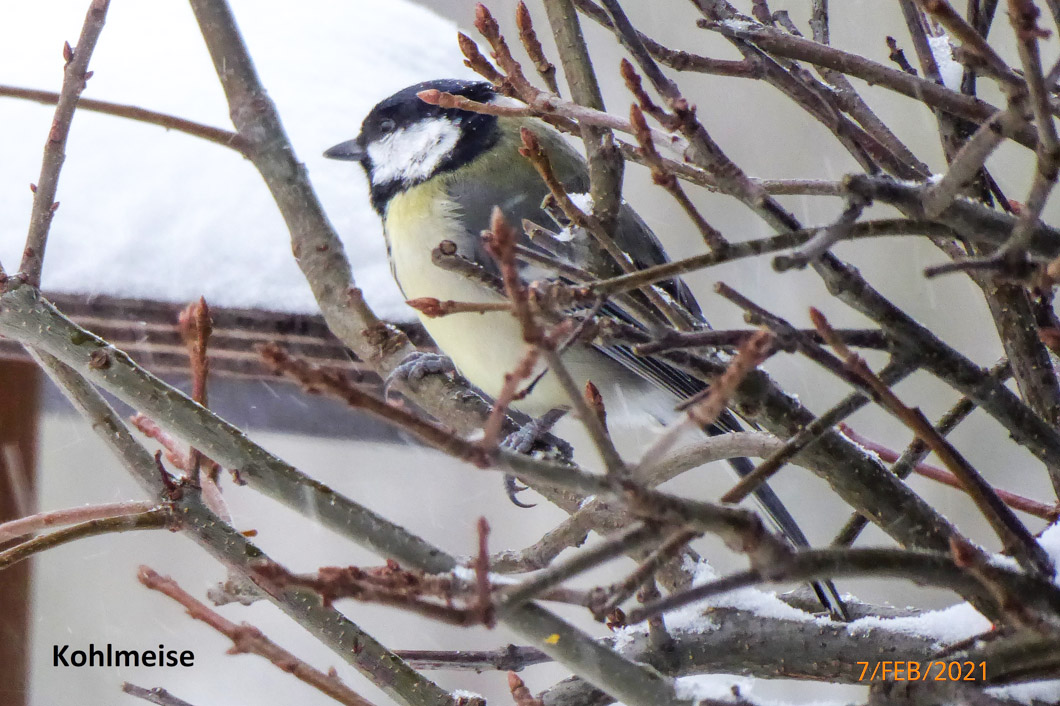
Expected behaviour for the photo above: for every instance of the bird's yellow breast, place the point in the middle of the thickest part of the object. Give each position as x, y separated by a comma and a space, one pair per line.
482, 346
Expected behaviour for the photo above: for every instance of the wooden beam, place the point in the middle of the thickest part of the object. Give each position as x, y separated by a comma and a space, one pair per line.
19, 419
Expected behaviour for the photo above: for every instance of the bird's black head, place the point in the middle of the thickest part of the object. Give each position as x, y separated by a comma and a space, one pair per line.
404, 141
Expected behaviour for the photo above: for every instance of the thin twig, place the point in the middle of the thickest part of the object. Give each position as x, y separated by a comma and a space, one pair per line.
545, 69
249, 640
617, 594
35, 523
196, 326
75, 75
825, 239
512, 657
435, 308
666, 179
157, 695
502, 238
970, 39
569, 533
920, 89
704, 409
733, 338
891, 373
533, 151
751, 248
1023, 15
916, 452
1050, 513
970, 159
316, 380
615, 545
225, 138
156, 518
1014, 536
606, 165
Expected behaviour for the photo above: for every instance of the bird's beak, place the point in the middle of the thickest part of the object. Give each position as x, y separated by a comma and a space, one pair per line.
348, 151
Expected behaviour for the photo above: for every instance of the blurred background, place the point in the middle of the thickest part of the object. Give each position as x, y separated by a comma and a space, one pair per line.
154, 215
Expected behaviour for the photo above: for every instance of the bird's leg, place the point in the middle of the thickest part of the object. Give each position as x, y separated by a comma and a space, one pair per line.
416, 366
522, 441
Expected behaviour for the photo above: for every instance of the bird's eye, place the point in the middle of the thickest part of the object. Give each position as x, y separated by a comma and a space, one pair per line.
387, 125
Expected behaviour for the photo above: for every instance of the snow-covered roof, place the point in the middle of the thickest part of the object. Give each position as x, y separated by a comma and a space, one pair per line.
161, 215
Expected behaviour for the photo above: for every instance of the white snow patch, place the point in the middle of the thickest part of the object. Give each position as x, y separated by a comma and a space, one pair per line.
713, 687
1004, 562
507, 101
1035, 692
1050, 542
582, 201
950, 71
695, 618
585, 203
764, 604
738, 25
566, 235
162, 215
958, 622
465, 694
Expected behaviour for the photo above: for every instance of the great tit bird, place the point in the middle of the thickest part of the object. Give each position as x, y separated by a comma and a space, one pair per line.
436, 174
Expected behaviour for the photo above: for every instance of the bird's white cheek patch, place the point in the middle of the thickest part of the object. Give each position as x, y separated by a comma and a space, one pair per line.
412, 154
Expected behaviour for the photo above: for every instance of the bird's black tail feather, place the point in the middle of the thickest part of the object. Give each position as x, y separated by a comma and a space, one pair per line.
785, 524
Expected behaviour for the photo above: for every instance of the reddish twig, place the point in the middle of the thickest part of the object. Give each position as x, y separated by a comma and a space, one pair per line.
247, 639
433, 96
705, 408
533, 151
545, 69
474, 60
666, 179
316, 380
509, 392
428, 595
501, 239
434, 308
1013, 500
520, 694
196, 326
483, 604
513, 71
595, 401
41, 520
158, 517
174, 453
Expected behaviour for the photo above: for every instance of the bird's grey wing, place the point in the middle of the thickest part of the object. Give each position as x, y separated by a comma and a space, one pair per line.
631, 234
634, 237
476, 199
519, 194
